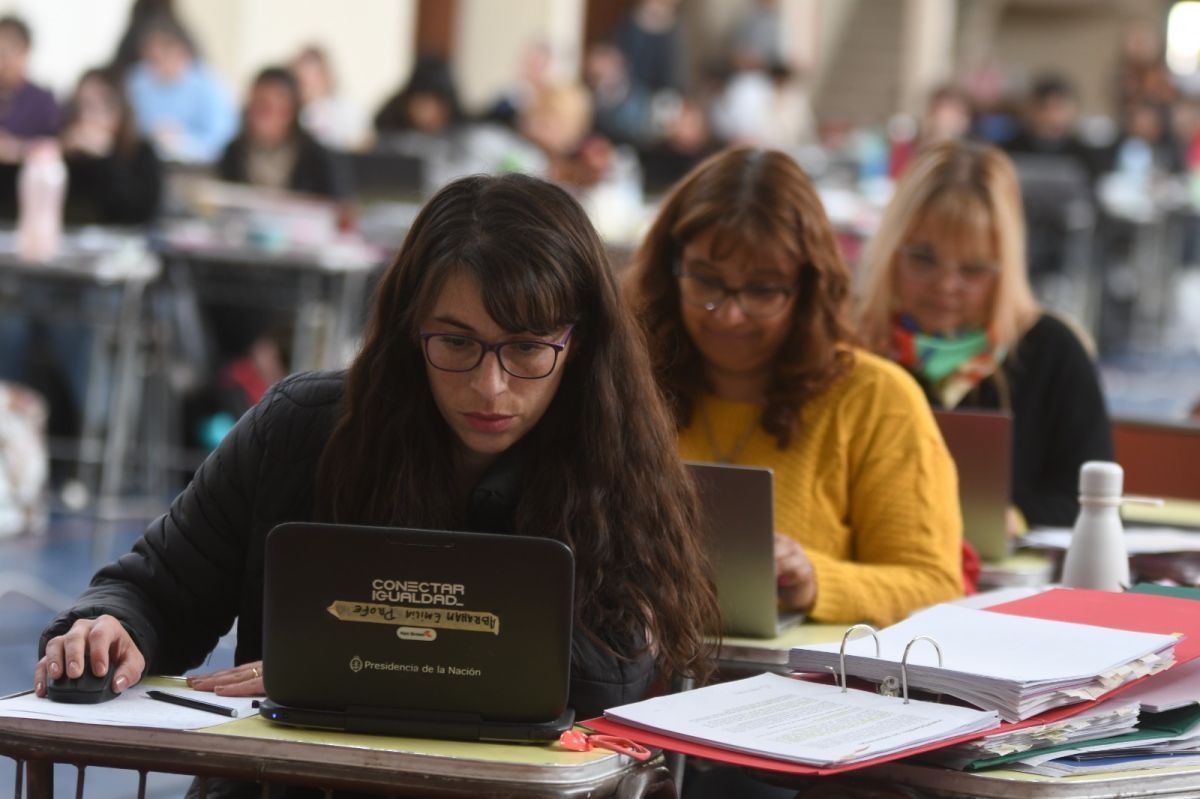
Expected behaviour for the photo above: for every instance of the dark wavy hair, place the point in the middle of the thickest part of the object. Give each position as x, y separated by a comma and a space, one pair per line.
599, 470
747, 197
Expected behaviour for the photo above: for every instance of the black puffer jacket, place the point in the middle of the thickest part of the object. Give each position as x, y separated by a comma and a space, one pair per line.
200, 566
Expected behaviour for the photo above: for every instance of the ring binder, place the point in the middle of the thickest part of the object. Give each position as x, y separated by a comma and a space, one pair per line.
846, 637
904, 662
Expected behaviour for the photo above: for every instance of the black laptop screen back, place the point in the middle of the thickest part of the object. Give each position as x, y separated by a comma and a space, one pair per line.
363, 619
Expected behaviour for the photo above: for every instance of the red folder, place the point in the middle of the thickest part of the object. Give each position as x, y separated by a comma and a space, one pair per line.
1148, 613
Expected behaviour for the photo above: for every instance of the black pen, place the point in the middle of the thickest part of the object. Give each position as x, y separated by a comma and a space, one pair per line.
195, 704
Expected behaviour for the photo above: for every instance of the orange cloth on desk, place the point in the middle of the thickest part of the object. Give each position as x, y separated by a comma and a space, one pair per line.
867, 487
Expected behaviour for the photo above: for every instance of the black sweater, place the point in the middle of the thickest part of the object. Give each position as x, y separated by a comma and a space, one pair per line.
112, 190
199, 567
1059, 419
316, 170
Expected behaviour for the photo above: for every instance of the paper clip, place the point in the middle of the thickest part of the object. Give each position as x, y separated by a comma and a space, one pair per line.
904, 662
842, 651
578, 740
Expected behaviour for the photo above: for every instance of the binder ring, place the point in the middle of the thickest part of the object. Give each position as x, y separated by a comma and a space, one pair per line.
842, 651
904, 662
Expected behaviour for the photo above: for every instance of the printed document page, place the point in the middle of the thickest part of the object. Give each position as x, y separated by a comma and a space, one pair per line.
132, 708
801, 721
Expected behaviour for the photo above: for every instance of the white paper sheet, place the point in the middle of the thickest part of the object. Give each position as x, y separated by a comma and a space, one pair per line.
801, 721
131, 709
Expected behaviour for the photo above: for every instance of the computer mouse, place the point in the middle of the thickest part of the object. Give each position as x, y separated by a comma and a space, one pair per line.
86, 689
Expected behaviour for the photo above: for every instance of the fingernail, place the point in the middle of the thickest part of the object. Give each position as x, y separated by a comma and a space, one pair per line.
53, 669
120, 682
72, 666
37, 688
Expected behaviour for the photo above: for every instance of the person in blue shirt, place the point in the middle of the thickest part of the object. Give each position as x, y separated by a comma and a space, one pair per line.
179, 103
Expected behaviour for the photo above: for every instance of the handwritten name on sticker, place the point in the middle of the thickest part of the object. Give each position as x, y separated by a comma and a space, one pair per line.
374, 613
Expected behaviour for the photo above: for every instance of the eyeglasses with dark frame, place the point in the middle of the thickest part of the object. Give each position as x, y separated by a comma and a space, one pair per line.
527, 359
758, 301
923, 264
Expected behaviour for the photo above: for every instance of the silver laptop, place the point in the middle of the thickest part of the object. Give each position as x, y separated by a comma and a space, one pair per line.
738, 512
981, 444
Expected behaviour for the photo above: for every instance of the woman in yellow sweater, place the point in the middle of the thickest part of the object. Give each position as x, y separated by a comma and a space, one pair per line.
743, 295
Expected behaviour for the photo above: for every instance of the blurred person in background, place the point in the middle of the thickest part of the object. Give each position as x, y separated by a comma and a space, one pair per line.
533, 75
113, 178
273, 150
1142, 72
27, 111
331, 118
141, 13
558, 121
113, 174
688, 140
947, 117
621, 108
947, 296
1049, 127
654, 44
180, 104
1146, 147
428, 103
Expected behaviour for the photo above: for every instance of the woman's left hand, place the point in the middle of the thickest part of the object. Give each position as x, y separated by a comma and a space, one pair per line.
243, 680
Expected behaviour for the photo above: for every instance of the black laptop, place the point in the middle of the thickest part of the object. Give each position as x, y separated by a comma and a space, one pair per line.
417, 632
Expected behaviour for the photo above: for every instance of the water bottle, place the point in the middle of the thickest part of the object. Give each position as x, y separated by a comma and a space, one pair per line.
1097, 557
41, 190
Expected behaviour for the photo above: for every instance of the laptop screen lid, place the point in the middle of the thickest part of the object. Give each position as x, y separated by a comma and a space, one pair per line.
417, 632
981, 444
737, 511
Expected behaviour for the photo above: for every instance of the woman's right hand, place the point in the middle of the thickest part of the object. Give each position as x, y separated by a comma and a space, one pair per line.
794, 572
104, 642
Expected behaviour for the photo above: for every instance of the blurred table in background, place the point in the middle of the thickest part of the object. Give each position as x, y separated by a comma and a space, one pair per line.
98, 278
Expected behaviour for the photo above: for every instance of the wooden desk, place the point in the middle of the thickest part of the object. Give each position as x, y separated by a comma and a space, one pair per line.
254, 749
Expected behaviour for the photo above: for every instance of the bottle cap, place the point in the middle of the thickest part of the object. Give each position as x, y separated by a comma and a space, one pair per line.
1101, 479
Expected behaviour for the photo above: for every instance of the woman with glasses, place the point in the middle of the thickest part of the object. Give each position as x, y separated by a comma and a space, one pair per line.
947, 297
743, 294
493, 393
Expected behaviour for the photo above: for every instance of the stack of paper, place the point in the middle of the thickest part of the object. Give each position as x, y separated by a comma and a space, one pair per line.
1016, 665
800, 721
1167, 739
1105, 720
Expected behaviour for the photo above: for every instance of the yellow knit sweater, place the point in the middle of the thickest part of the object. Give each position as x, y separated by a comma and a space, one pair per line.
867, 488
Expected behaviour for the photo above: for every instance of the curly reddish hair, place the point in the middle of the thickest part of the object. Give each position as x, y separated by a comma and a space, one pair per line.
747, 196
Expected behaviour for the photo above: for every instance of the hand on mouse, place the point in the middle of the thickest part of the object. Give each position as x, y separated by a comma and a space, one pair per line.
794, 572
103, 641
243, 680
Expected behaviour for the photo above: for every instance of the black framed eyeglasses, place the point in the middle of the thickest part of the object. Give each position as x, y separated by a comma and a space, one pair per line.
527, 359
757, 300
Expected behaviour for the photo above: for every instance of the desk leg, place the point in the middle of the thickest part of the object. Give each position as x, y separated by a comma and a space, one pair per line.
306, 333
648, 783
39, 779
122, 416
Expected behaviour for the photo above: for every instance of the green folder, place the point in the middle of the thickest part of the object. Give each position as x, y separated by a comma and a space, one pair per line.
1169, 724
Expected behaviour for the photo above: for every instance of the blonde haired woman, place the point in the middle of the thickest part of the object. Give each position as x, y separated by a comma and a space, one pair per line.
946, 295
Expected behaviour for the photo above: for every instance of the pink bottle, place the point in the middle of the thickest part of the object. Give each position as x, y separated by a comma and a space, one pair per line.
41, 190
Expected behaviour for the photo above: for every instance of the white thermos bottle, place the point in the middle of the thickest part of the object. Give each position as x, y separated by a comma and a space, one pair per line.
1097, 557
